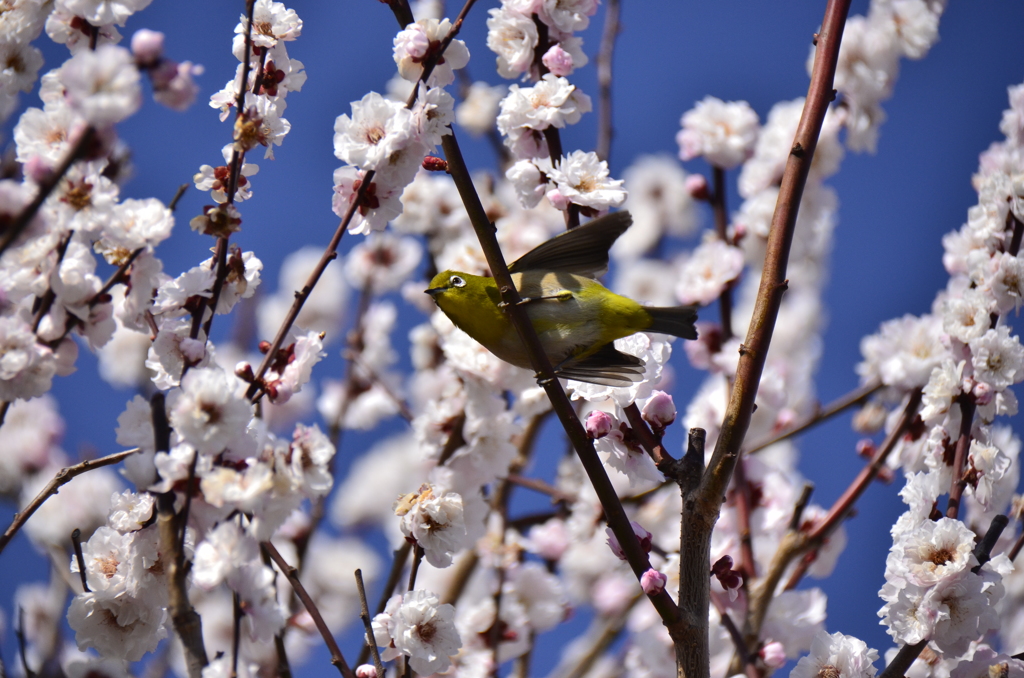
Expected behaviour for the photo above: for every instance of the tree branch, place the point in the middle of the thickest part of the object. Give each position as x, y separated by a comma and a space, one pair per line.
62, 478
293, 578
693, 658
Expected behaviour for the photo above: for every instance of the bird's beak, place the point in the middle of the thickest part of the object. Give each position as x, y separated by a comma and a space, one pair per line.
434, 291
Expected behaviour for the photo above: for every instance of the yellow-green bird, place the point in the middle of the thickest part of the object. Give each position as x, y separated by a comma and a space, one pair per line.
575, 316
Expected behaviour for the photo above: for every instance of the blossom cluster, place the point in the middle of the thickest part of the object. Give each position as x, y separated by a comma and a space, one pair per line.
961, 359
220, 436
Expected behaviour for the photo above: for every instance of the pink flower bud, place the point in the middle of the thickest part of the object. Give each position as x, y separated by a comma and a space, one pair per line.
557, 200
983, 393
646, 540
645, 537
613, 544
599, 424
366, 671
785, 419
773, 654
866, 448
37, 169
697, 186
558, 61
659, 411
652, 581
147, 46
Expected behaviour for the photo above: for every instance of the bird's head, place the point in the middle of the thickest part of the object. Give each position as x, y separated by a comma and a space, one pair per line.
450, 285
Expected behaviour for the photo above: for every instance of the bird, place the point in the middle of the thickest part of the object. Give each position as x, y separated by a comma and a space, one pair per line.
576, 317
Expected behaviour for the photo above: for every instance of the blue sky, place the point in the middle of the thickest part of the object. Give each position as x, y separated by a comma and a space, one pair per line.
894, 205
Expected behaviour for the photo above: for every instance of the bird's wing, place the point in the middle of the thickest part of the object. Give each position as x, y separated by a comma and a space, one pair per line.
607, 367
582, 251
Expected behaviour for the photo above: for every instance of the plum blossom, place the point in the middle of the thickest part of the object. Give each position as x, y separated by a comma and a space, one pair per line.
209, 413
723, 133
420, 41
707, 271
377, 129
478, 111
582, 179
837, 655
434, 522
102, 85
421, 628
513, 37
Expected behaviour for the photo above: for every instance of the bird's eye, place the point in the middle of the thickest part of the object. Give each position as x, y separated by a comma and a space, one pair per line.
456, 281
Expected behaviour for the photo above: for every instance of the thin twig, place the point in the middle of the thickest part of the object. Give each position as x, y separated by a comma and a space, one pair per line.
76, 544
538, 485
720, 210
417, 558
397, 565
371, 640
292, 574
173, 205
605, 56
904, 658
19, 633
837, 406
236, 631
963, 444
63, 477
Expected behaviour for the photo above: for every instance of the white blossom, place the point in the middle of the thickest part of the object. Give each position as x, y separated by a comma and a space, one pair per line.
421, 628
102, 85
723, 133
209, 413
998, 358
513, 37
435, 523
837, 655
707, 271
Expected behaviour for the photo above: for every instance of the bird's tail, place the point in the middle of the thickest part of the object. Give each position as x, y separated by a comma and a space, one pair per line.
675, 320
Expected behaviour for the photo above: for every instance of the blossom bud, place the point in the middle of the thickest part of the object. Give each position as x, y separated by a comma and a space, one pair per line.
67, 355
558, 61
659, 411
773, 654
739, 232
599, 424
983, 393
366, 671
646, 540
708, 343
147, 47
727, 577
652, 581
557, 200
243, 370
697, 187
785, 418
37, 169
866, 448
434, 164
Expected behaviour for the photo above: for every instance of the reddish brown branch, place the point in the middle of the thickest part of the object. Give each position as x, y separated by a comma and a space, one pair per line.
702, 506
